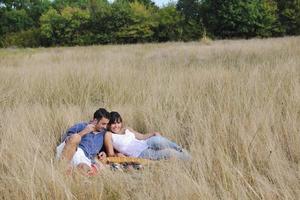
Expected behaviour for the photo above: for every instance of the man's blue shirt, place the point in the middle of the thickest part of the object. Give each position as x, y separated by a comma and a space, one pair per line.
90, 143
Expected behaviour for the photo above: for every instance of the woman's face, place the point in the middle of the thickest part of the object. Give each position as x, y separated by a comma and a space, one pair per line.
116, 127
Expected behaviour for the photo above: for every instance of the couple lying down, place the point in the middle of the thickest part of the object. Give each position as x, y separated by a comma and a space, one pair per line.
83, 143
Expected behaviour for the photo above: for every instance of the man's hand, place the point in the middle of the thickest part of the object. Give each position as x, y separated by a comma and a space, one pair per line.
90, 128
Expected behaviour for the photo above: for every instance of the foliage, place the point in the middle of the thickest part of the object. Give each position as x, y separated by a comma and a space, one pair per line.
190, 9
88, 22
289, 16
235, 18
147, 3
61, 4
100, 25
192, 27
37, 8
65, 28
121, 17
140, 27
169, 24
15, 4
14, 21
33, 8
28, 38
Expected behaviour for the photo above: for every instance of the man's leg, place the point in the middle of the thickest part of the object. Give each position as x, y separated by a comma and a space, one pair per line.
70, 147
83, 163
84, 168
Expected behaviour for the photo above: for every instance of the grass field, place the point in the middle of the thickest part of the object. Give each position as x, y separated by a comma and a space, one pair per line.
235, 105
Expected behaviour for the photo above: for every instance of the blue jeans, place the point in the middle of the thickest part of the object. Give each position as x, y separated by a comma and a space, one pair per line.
161, 148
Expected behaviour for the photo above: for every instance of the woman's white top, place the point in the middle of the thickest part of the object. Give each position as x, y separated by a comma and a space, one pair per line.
127, 144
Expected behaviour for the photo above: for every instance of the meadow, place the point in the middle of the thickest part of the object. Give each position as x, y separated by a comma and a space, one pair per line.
233, 104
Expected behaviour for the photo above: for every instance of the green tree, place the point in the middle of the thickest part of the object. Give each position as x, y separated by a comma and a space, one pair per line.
140, 25
34, 8
192, 25
147, 3
61, 4
169, 24
237, 18
65, 28
120, 18
101, 22
17, 17
289, 16
15, 4
14, 21
27, 38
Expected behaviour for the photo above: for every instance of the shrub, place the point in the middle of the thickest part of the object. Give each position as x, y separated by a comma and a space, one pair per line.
28, 38
65, 28
236, 18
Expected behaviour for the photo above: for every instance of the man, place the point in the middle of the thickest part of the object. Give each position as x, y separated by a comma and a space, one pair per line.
83, 141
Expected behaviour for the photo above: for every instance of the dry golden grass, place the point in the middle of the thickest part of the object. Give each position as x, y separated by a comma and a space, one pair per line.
235, 105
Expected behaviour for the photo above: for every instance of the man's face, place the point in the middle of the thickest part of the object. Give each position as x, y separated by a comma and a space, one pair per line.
102, 124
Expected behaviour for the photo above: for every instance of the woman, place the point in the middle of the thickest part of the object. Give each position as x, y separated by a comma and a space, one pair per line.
134, 144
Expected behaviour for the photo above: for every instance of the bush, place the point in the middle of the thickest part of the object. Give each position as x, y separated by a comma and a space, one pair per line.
140, 28
192, 26
66, 28
289, 16
14, 21
232, 18
28, 38
169, 21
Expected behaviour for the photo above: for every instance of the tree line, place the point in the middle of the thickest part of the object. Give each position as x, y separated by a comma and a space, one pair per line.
33, 23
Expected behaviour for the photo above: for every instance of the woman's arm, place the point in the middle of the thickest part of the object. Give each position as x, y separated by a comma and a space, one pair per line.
108, 144
141, 136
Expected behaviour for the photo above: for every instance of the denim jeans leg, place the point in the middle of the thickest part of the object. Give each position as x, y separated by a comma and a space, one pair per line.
164, 154
159, 143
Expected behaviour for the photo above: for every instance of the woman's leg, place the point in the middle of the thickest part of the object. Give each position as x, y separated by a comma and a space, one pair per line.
164, 154
159, 143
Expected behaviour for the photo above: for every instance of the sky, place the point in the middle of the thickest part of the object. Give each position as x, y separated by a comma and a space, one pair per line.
160, 3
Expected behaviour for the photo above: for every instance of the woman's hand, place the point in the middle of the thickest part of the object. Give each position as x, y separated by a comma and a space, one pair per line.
120, 155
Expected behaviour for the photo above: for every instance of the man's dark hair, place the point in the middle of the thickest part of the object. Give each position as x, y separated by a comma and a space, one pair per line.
100, 113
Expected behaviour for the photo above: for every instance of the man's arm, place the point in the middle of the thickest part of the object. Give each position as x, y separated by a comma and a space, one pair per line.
81, 129
89, 128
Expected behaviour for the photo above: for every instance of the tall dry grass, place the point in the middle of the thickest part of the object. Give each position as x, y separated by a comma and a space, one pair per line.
235, 105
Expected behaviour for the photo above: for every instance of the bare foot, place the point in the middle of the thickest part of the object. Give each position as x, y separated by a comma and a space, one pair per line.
69, 170
94, 170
